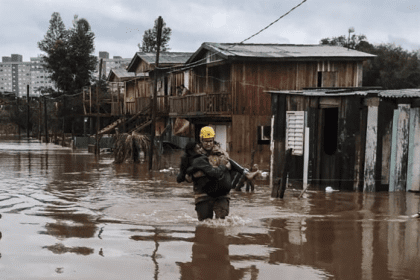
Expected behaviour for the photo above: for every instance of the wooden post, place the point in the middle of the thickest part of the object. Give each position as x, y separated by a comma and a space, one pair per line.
305, 162
27, 117
39, 117
64, 118
413, 173
46, 120
153, 127
97, 108
281, 186
271, 151
371, 145
399, 156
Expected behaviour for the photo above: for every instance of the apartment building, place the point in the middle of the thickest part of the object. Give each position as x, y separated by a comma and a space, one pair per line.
16, 75
110, 63
39, 76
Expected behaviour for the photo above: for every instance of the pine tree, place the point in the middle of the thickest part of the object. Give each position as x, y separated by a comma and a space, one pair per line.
68, 55
149, 43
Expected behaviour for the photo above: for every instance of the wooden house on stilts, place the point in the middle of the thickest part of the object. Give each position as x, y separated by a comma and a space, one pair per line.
229, 84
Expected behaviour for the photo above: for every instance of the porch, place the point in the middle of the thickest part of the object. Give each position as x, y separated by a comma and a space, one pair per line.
141, 104
201, 105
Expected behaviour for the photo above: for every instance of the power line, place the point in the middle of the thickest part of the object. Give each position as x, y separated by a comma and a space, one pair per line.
273, 22
234, 44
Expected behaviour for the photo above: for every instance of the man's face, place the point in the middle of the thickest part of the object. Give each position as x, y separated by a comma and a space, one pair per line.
207, 143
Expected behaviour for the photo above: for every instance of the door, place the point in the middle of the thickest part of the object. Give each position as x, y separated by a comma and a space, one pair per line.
328, 148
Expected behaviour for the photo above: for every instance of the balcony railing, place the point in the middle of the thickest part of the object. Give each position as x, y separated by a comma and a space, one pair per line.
162, 104
201, 104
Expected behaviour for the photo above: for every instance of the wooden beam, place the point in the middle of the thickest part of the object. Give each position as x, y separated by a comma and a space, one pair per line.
399, 157
413, 172
370, 150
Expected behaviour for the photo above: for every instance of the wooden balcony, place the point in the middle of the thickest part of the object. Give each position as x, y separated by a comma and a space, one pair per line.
202, 104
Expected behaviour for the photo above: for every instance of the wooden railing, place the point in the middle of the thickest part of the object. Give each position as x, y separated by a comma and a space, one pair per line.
162, 104
201, 104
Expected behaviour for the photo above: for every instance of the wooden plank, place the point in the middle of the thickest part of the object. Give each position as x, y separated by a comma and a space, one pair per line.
399, 152
402, 147
349, 125
360, 149
370, 149
413, 172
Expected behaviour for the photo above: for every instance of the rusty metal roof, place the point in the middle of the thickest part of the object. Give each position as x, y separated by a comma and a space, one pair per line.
120, 73
279, 51
326, 92
321, 92
400, 93
166, 57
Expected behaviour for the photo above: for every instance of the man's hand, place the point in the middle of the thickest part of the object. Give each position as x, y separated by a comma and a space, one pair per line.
228, 165
188, 178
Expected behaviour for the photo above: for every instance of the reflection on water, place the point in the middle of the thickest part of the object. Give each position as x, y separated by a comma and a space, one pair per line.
78, 216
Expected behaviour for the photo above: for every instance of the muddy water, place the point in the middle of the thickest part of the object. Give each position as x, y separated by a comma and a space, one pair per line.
71, 215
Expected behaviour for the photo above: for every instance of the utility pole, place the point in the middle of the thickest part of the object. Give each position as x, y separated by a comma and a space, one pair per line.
45, 120
27, 117
97, 108
39, 117
64, 118
154, 100
18, 113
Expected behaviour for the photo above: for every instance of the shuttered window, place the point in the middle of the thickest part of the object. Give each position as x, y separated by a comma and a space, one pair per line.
295, 123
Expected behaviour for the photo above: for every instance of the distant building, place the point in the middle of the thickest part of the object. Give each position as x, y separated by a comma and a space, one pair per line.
110, 63
16, 75
17, 58
104, 55
40, 77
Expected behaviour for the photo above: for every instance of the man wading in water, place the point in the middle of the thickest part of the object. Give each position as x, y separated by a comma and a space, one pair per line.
209, 172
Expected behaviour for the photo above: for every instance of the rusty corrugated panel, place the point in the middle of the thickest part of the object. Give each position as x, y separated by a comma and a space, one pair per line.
400, 93
284, 50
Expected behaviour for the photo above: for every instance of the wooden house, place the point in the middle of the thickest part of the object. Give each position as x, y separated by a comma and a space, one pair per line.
349, 139
142, 65
121, 87
228, 84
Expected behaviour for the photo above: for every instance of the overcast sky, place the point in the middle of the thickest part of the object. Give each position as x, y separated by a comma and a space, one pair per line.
119, 25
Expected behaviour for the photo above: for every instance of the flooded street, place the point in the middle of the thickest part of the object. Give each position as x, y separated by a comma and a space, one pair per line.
72, 215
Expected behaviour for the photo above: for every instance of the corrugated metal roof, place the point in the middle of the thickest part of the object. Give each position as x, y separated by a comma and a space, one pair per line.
166, 57
284, 51
400, 93
320, 92
122, 73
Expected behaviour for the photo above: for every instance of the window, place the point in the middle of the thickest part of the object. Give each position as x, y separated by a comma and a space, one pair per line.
330, 130
295, 125
264, 135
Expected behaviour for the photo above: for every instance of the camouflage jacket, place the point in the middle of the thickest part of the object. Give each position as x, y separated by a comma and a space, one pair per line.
216, 156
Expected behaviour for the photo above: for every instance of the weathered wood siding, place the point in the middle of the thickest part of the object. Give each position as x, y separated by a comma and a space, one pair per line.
371, 146
251, 79
243, 140
175, 79
413, 173
399, 156
143, 67
335, 170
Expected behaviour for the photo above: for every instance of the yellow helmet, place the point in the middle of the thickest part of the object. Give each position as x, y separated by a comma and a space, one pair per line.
207, 132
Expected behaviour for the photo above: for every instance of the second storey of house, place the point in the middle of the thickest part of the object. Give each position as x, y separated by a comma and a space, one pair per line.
244, 72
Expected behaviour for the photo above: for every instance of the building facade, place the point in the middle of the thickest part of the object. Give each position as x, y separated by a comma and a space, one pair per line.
16, 75
110, 63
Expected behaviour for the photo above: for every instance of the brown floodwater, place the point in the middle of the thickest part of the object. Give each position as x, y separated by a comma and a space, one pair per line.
72, 215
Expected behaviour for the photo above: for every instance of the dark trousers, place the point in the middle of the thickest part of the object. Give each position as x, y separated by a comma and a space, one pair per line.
218, 205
